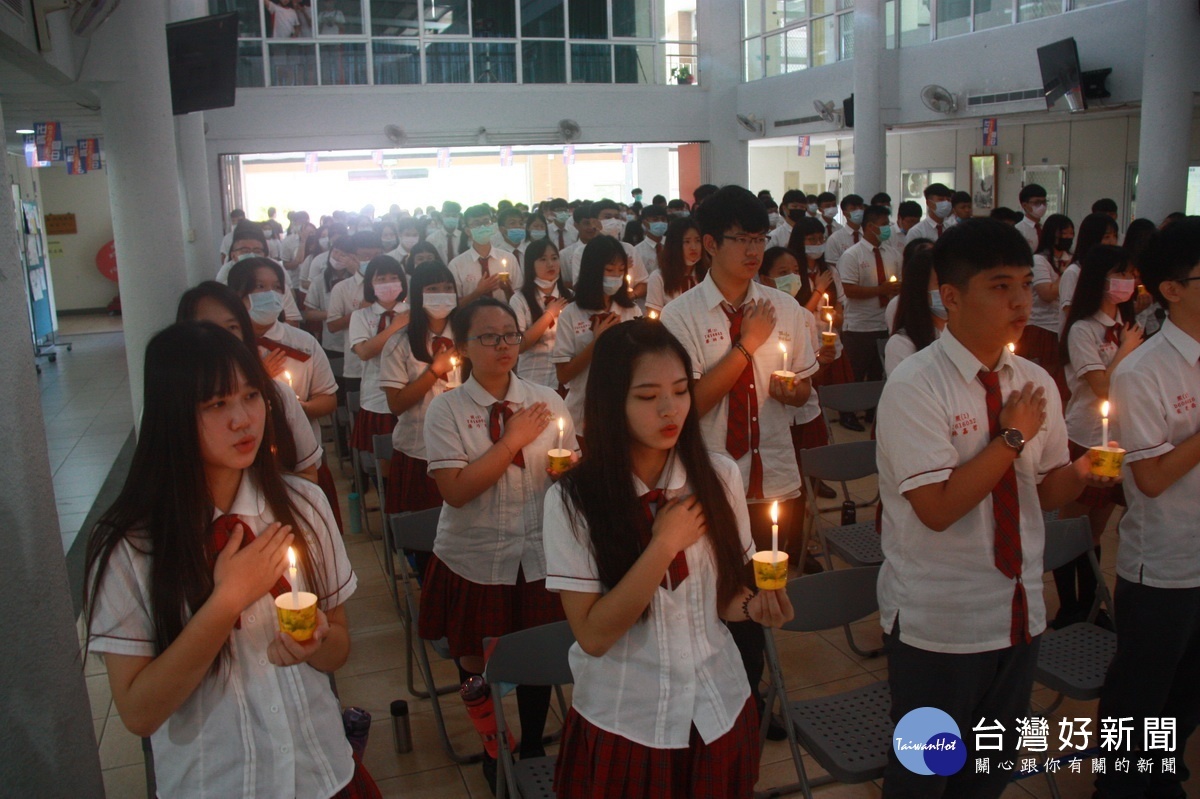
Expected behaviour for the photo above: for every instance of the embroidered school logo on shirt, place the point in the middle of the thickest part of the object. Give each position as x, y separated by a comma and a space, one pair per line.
964, 424
475, 421
1184, 402
712, 335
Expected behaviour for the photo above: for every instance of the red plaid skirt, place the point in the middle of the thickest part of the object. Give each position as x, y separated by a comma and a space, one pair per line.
839, 372
325, 482
464, 612
368, 424
1096, 497
810, 435
409, 486
361, 786
596, 764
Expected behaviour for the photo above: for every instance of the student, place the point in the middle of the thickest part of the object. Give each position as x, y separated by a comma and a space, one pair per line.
535, 230
385, 288
827, 207
882, 198
586, 227
1033, 203
962, 206
920, 314
510, 234
448, 238
340, 265
297, 450
972, 449
939, 215
911, 249
648, 528
181, 572
538, 303
907, 216
1098, 336
1158, 574
477, 271
347, 297
866, 269
1106, 205
842, 240
1039, 341
249, 242
414, 368
791, 210
405, 235
602, 300
608, 216
487, 443
654, 227
557, 215
731, 327
682, 265
236, 216
1094, 230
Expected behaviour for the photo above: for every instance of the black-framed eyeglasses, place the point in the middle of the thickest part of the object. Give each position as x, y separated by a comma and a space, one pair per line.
247, 250
1186, 279
494, 339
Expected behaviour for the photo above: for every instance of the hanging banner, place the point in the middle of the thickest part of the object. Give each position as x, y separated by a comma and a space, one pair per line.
506, 158
75, 164
89, 154
310, 162
31, 153
804, 146
991, 134
569, 154
377, 157
626, 153
443, 158
48, 136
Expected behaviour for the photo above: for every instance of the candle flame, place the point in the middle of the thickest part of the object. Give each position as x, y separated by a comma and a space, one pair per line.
826, 296
628, 279
892, 279
1104, 406
782, 348
829, 318
453, 362
291, 558
774, 513
561, 424
1012, 347
653, 314
287, 376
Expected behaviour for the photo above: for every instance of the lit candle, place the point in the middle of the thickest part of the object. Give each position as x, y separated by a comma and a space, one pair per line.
628, 281
561, 424
292, 578
892, 279
1012, 348
288, 377
452, 375
774, 532
783, 350
825, 299
1104, 408
829, 318
653, 314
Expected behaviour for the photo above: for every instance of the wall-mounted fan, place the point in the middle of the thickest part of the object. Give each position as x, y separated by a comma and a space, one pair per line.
751, 123
827, 111
569, 130
396, 134
939, 99
86, 16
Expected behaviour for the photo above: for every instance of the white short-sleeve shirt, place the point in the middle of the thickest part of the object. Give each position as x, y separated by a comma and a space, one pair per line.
1155, 393
467, 271
1028, 228
647, 250
438, 239
1066, 291
811, 409
345, 298
698, 320
841, 240
898, 348
364, 324
932, 418
1089, 353
781, 235
492, 537
857, 268
253, 730
572, 258
927, 228
574, 334
308, 446
534, 363
398, 367
310, 378
679, 666
1045, 314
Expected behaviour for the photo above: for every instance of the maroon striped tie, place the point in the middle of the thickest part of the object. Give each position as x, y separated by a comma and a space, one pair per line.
741, 434
678, 570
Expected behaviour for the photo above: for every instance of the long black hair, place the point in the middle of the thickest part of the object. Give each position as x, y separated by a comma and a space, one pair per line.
189, 306
589, 287
529, 288
913, 311
1091, 232
1100, 262
1052, 229
241, 276
801, 229
599, 491
671, 263
342, 244
421, 246
164, 509
384, 265
427, 274
1136, 236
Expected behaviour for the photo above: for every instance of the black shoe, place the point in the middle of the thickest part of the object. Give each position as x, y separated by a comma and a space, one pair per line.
775, 729
850, 422
824, 491
489, 771
811, 565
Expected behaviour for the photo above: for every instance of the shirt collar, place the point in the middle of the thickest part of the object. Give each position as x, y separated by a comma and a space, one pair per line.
673, 477
516, 395
713, 298
965, 361
275, 332
1187, 346
248, 502
1105, 319
358, 277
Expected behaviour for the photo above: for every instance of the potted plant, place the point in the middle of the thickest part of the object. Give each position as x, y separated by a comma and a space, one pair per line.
682, 74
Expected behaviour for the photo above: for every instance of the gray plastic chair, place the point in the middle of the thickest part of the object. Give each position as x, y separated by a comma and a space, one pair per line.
359, 465
849, 734
850, 397
381, 445
537, 656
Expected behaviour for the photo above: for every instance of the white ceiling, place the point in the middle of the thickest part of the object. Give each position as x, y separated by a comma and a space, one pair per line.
27, 98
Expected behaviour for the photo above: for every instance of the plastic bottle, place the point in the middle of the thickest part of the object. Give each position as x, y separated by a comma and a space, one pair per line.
401, 730
849, 513
355, 522
477, 696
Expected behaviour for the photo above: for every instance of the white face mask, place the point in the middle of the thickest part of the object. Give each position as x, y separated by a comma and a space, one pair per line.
829, 213
612, 227
814, 250
789, 284
612, 285
265, 307
387, 292
1037, 211
409, 242
362, 266
774, 219
942, 208
545, 284
324, 242
439, 306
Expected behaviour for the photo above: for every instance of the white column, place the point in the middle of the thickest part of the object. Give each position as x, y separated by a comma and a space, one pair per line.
719, 25
198, 234
870, 150
49, 742
129, 54
1172, 30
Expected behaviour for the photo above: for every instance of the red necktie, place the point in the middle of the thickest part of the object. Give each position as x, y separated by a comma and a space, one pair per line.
291, 352
502, 410
939, 229
449, 247
441, 344
385, 319
881, 277
483, 264
741, 434
658, 251
220, 531
1037, 226
561, 241
856, 237
828, 229
1113, 334
1006, 511
677, 572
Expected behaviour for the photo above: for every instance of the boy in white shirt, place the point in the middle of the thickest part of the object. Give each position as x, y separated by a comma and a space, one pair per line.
558, 215
1157, 598
827, 207
972, 450
939, 216
790, 209
654, 223
866, 270
477, 270
447, 238
1033, 203
845, 238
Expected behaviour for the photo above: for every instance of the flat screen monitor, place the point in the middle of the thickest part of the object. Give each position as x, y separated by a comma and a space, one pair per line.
202, 57
1062, 84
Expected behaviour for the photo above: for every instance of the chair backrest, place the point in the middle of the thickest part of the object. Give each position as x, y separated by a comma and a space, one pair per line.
352, 403
415, 532
382, 444
1066, 539
839, 462
833, 598
537, 656
850, 397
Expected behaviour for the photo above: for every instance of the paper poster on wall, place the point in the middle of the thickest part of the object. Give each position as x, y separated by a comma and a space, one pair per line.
89, 154
626, 153
31, 153
506, 156
443, 157
75, 164
310, 162
804, 146
54, 247
48, 136
377, 157
991, 133
569, 154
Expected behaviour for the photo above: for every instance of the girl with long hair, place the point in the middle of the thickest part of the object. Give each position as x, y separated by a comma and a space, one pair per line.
386, 289
1039, 340
538, 303
180, 575
339, 264
683, 263
1094, 230
920, 314
648, 530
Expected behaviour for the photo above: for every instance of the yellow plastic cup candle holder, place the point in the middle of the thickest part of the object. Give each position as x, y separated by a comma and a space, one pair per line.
559, 460
298, 619
503, 277
785, 378
828, 339
771, 570
1106, 461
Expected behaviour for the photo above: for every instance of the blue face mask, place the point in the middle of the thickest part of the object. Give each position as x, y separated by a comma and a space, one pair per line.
451, 222
561, 217
856, 216
536, 234
516, 235
935, 304
265, 307
658, 228
885, 232
483, 234
789, 284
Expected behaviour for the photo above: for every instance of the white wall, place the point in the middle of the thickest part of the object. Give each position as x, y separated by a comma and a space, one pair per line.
77, 283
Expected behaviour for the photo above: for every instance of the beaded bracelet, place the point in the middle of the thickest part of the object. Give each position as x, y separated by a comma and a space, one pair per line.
746, 603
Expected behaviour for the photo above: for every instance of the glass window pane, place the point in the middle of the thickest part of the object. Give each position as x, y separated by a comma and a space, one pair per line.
1036, 9
250, 65
797, 49
343, 64
447, 16
495, 63
845, 4
339, 18
1089, 4
776, 16
776, 55
889, 24
753, 59
588, 20
953, 18
679, 23
285, 23
824, 41
249, 19
293, 64
591, 63
846, 33
634, 63
992, 13
494, 18
542, 18
447, 62
914, 23
543, 62
795, 10
631, 18
821, 7
396, 63
753, 19
394, 18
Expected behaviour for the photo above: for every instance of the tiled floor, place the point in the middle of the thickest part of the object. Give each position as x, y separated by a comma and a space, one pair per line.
85, 397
